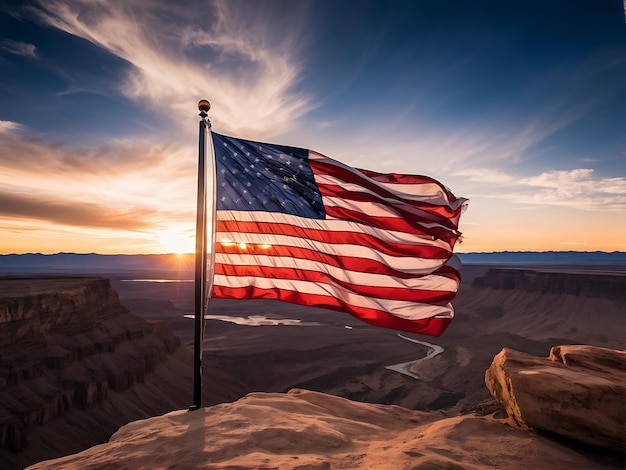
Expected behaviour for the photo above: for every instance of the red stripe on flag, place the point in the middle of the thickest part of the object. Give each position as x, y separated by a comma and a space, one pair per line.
336, 237
432, 326
404, 210
436, 297
353, 177
358, 264
392, 223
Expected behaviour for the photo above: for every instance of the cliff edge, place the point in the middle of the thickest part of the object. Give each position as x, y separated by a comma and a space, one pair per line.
311, 430
576, 395
75, 365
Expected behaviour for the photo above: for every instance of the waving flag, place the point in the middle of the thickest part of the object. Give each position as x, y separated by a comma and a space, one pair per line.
297, 226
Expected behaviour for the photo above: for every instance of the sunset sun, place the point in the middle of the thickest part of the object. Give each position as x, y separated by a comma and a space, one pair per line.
175, 242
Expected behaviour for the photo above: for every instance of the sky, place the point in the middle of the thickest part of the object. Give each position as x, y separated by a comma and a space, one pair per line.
518, 106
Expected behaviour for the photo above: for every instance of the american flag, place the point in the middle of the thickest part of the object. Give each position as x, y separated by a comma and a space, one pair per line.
294, 225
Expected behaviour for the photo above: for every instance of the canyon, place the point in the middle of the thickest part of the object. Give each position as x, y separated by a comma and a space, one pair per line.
76, 364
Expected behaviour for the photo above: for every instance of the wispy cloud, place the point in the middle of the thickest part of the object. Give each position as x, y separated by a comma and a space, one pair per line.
72, 212
9, 127
579, 188
487, 176
19, 48
439, 151
521, 130
122, 185
174, 65
116, 157
527, 125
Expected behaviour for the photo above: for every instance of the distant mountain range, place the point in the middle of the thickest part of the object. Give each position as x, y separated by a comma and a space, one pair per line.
545, 257
93, 263
97, 263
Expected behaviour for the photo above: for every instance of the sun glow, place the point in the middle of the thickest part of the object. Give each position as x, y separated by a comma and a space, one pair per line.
176, 242
245, 245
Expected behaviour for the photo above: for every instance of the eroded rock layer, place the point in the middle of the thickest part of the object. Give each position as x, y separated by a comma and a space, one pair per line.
67, 344
578, 392
604, 285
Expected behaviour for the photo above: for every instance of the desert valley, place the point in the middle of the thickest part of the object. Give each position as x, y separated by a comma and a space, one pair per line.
123, 352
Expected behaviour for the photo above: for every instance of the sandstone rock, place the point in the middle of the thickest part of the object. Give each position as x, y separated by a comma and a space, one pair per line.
309, 430
579, 392
67, 344
581, 284
30, 308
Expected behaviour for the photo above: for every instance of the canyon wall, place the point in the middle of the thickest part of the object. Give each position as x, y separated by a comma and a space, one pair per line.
75, 365
584, 284
560, 307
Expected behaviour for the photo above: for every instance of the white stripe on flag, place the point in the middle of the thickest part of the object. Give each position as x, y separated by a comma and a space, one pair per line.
407, 264
399, 308
414, 191
333, 225
431, 282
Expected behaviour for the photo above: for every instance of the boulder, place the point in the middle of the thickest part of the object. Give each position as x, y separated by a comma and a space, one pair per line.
578, 392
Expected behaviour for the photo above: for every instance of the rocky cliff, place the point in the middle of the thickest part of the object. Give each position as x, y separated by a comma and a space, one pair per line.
554, 306
578, 392
604, 285
565, 411
305, 430
75, 365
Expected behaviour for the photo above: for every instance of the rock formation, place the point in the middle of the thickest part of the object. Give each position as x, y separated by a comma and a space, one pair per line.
605, 285
75, 365
569, 307
310, 430
579, 392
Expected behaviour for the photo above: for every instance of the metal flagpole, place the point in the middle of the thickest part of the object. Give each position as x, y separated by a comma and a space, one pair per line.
213, 173
201, 249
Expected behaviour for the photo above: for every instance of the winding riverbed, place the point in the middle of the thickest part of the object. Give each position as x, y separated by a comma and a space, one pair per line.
405, 367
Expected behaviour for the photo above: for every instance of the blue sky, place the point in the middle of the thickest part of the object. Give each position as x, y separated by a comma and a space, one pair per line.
519, 106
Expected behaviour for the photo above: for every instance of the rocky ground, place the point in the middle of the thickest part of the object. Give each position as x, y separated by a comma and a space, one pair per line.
309, 430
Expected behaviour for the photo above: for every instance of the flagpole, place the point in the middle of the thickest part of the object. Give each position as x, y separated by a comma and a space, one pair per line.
213, 173
200, 262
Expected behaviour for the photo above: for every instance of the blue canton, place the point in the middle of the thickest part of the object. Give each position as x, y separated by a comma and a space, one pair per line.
253, 176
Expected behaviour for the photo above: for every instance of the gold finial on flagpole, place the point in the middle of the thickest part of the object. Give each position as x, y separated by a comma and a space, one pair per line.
203, 107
